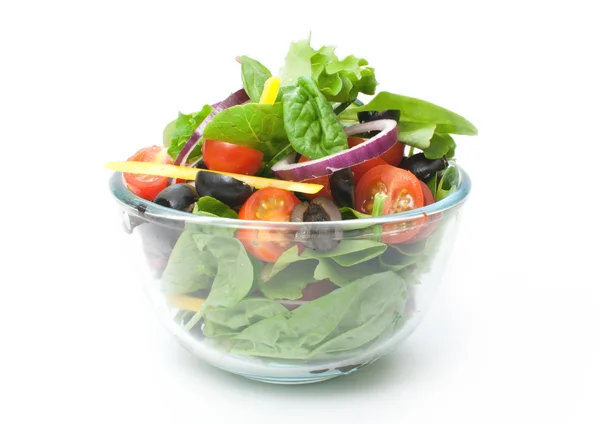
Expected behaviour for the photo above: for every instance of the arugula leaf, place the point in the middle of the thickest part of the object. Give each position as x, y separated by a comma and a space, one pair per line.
259, 126
344, 319
210, 206
254, 76
230, 321
421, 111
179, 131
310, 122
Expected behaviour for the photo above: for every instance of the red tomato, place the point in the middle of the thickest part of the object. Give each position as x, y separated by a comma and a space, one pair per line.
267, 204
362, 168
429, 225
404, 193
148, 186
393, 156
227, 157
324, 181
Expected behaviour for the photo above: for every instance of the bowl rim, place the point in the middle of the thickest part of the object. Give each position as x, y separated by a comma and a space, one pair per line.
150, 211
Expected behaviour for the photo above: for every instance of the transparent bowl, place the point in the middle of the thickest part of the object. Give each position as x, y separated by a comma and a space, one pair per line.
312, 315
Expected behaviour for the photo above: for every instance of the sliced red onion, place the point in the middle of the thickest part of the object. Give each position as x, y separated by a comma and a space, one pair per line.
237, 98
372, 148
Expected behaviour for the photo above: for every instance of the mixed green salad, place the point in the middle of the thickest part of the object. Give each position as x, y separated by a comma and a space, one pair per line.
298, 147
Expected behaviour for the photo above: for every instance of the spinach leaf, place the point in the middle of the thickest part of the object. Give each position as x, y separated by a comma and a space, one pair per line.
344, 319
234, 277
254, 76
310, 122
328, 269
438, 147
289, 283
259, 126
182, 273
210, 206
179, 131
416, 134
420, 111
230, 321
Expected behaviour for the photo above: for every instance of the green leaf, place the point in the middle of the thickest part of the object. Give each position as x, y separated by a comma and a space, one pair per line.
179, 131
416, 134
349, 213
310, 122
259, 126
421, 111
448, 183
230, 321
182, 273
254, 76
210, 206
344, 319
289, 283
439, 146
297, 62
328, 269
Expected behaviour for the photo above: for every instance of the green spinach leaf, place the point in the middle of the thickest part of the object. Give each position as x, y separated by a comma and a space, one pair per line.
420, 111
289, 283
416, 134
179, 131
344, 319
230, 321
210, 206
259, 126
254, 76
349, 213
310, 122
448, 183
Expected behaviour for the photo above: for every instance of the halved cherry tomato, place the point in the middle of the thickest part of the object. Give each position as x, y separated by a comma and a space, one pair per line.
404, 193
324, 181
267, 204
148, 186
227, 157
393, 156
429, 225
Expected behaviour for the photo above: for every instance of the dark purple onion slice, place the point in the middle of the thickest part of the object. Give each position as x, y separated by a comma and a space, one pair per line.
237, 98
372, 148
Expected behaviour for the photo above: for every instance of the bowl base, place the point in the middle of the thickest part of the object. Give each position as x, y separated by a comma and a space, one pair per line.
291, 380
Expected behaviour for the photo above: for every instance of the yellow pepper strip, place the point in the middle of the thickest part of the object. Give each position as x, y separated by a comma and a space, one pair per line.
270, 91
187, 173
186, 303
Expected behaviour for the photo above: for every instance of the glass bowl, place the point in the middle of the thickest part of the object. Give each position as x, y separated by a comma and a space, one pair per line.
310, 316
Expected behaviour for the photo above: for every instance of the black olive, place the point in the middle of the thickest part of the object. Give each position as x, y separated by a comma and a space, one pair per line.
320, 238
341, 184
422, 167
371, 115
201, 165
177, 196
228, 190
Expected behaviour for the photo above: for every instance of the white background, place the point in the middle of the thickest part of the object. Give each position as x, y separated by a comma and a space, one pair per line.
512, 336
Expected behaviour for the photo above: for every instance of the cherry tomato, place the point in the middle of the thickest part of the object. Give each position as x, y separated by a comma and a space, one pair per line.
393, 156
267, 204
148, 186
227, 157
404, 193
324, 181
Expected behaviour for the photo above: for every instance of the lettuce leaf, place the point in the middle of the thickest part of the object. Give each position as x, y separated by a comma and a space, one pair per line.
179, 131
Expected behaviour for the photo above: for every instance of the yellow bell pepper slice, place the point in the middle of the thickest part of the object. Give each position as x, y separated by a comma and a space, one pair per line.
188, 173
186, 303
270, 91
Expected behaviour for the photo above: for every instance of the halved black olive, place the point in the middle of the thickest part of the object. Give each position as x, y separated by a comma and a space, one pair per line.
201, 165
228, 190
177, 196
341, 184
422, 167
371, 115
320, 238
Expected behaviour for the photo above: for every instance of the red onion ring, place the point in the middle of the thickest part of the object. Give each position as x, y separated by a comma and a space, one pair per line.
372, 148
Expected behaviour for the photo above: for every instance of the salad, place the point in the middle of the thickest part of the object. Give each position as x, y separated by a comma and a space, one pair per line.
299, 146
